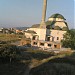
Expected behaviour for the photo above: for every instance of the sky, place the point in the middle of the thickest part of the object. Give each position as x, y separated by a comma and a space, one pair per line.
25, 13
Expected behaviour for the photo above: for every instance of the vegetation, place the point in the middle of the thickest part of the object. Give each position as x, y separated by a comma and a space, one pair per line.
10, 59
15, 60
8, 52
55, 66
69, 39
15, 68
30, 54
10, 37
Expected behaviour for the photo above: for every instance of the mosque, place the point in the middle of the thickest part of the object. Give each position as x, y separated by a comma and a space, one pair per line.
48, 34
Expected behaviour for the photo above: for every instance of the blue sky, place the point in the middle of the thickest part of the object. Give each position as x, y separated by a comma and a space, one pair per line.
15, 13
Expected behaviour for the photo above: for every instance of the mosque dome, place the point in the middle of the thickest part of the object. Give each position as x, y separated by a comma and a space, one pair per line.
57, 15
57, 22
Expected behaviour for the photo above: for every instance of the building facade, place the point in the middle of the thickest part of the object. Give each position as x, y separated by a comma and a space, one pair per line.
49, 36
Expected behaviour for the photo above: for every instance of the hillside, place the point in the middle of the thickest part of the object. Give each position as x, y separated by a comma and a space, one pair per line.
21, 28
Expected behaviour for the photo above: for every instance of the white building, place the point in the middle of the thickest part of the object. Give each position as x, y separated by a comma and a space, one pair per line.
51, 35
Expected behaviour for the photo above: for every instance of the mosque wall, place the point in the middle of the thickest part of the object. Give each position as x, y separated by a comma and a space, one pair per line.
60, 24
57, 34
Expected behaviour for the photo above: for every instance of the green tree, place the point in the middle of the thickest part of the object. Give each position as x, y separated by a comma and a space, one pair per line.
69, 39
9, 51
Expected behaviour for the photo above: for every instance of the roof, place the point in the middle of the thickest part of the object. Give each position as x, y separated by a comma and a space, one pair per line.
57, 15
50, 22
66, 24
35, 26
30, 31
47, 23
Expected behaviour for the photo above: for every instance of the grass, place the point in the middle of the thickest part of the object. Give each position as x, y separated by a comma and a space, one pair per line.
54, 69
9, 37
55, 65
29, 54
12, 68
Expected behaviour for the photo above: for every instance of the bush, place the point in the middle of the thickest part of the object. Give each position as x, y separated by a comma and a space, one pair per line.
69, 39
9, 52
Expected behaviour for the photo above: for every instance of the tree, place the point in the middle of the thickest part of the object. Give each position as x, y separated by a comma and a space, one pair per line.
69, 39
9, 51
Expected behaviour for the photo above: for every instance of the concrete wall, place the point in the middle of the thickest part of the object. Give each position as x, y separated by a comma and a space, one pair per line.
28, 35
60, 24
45, 45
40, 32
57, 33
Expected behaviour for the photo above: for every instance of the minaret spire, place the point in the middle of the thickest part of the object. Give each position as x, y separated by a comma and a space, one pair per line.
43, 25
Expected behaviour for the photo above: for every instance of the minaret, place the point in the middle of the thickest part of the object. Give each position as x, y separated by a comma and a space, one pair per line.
42, 24
42, 29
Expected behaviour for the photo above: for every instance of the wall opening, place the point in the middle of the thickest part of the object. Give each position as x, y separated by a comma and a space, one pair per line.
55, 46
34, 37
42, 44
48, 38
49, 45
57, 38
35, 43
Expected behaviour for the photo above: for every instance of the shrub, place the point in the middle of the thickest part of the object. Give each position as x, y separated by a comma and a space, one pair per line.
9, 51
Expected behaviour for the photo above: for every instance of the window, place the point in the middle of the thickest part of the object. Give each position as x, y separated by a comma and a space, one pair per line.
33, 37
55, 46
42, 44
49, 45
48, 38
52, 38
57, 38
35, 43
